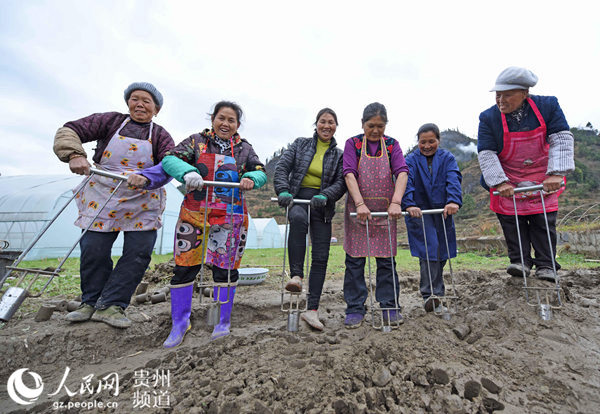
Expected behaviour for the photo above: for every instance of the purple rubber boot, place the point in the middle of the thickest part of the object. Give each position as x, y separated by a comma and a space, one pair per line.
353, 320
222, 328
181, 308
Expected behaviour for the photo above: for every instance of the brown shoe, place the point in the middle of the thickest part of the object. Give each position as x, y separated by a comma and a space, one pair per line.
311, 317
431, 304
294, 285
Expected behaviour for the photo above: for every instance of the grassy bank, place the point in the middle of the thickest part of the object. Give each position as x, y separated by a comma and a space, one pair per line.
68, 282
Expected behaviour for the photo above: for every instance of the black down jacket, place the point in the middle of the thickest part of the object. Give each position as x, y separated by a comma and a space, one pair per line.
293, 165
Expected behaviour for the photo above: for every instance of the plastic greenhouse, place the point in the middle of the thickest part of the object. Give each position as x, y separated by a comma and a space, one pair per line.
267, 233
28, 202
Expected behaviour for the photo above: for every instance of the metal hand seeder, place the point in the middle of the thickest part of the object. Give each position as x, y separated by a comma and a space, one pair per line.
213, 313
385, 324
549, 300
448, 303
293, 307
15, 295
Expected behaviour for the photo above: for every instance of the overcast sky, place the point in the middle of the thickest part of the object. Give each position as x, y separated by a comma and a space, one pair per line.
427, 61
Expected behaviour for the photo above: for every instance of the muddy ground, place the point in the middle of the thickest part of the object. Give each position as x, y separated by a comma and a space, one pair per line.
495, 355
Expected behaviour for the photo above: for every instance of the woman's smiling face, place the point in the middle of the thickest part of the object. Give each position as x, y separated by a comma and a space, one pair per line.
428, 143
141, 106
326, 127
225, 123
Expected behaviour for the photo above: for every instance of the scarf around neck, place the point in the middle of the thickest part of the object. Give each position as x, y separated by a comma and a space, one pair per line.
223, 144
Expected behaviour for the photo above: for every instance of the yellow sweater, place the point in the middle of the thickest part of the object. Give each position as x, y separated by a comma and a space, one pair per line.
312, 179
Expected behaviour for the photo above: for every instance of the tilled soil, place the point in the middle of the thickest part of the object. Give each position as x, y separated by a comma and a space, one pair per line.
495, 355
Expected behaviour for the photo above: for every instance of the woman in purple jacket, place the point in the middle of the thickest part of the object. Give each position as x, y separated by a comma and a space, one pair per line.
376, 174
125, 144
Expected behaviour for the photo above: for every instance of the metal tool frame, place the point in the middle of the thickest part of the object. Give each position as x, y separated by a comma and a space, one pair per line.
214, 308
15, 295
544, 308
448, 303
293, 308
381, 322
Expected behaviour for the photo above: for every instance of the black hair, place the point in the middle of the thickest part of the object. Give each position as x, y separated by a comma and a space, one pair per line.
374, 109
326, 111
227, 104
429, 127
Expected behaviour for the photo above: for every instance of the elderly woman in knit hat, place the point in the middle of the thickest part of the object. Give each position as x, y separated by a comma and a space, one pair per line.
525, 140
125, 144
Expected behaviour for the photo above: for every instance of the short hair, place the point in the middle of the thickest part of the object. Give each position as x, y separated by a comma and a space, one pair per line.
429, 127
374, 109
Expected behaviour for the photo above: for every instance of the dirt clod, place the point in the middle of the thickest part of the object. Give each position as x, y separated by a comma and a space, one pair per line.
490, 385
461, 331
492, 405
382, 376
472, 390
439, 376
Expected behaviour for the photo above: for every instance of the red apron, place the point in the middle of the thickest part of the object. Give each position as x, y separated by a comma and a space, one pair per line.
377, 188
524, 160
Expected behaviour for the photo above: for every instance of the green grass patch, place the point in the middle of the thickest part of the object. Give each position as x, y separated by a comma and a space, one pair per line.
67, 283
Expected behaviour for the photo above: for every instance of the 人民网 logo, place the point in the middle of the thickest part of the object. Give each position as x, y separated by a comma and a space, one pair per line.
21, 393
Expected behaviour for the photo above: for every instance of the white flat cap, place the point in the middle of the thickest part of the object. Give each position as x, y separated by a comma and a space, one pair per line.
514, 77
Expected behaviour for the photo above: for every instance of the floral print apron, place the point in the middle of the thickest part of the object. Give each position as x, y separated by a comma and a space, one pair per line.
131, 208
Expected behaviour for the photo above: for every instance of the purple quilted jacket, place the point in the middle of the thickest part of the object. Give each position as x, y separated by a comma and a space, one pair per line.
102, 126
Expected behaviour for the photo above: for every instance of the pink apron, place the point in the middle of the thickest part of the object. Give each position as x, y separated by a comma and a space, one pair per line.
524, 160
377, 188
131, 209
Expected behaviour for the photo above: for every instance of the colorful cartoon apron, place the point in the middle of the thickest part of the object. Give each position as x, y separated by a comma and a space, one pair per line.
226, 221
377, 188
130, 209
524, 159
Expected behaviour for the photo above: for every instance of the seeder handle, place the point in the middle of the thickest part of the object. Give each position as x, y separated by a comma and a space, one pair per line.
108, 174
295, 200
404, 213
530, 188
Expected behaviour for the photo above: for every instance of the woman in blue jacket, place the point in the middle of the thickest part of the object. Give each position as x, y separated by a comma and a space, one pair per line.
434, 182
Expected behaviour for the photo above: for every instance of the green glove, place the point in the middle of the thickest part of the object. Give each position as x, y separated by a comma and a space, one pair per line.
284, 199
318, 201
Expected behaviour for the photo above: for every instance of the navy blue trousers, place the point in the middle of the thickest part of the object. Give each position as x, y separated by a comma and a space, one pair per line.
355, 287
101, 285
437, 280
533, 235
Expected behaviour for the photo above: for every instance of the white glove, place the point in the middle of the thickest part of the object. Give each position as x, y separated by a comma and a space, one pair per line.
193, 181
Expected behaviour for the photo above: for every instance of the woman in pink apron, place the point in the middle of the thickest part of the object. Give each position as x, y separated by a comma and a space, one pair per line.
376, 176
215, 154
525, 140
125, 143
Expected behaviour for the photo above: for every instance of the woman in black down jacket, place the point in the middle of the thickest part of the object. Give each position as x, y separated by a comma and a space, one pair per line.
311, 169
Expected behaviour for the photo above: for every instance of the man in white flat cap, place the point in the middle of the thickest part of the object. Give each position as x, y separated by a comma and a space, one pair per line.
525, 140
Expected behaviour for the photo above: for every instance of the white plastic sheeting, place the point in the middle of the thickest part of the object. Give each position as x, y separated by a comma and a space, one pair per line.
28, 202
266, 235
